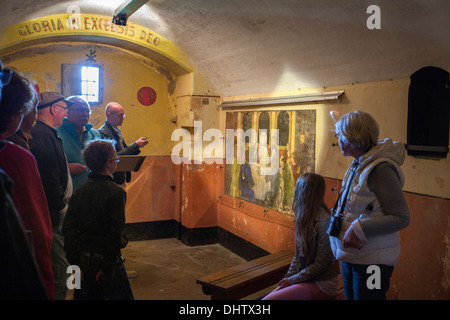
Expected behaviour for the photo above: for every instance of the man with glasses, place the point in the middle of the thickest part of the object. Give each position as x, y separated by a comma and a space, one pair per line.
110, 130
74, 133
48, 150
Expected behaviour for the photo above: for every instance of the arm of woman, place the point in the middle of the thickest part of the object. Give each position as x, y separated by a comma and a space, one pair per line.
293, 267
385, 183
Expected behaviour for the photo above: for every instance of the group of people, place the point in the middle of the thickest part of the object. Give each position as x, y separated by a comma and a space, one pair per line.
63, 202
373, 210
61, 191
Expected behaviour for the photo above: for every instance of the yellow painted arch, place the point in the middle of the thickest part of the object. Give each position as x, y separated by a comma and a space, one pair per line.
94, 28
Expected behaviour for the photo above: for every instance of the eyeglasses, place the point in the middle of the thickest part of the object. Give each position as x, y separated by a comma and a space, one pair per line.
65, 108
115, 159
119, 115
88, 111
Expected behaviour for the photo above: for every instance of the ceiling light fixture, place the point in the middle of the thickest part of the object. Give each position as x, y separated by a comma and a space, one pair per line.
322, 96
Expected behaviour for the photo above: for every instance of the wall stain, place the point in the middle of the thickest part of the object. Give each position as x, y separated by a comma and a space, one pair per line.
439, 181
172, 83
50, 79
446, 260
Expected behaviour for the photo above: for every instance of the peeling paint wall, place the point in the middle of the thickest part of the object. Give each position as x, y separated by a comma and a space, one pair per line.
423, 270
445, 283
387, 102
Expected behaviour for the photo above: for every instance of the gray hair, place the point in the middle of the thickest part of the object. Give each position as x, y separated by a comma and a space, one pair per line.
359, 129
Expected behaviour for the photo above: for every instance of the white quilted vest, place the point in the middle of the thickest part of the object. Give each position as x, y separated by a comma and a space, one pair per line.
363, 204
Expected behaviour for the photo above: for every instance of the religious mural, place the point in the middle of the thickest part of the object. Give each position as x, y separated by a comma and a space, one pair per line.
296, 132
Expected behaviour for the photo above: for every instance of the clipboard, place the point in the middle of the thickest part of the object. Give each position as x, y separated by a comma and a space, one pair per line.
129, 163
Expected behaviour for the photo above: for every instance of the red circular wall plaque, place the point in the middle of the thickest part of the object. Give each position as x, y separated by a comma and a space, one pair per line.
146, 96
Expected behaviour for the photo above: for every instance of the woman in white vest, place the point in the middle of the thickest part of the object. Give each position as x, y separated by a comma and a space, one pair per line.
373, 206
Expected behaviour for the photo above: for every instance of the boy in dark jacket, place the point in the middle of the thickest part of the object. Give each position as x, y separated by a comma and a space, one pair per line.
93, 227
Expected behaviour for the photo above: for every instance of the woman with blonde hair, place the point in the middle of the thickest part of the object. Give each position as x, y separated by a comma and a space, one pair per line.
373, 209
313, 273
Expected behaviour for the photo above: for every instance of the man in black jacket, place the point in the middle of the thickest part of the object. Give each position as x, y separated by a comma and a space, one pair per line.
110, 130
48, 150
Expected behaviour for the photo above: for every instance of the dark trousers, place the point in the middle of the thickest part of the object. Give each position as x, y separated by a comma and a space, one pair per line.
113, 284
365, 282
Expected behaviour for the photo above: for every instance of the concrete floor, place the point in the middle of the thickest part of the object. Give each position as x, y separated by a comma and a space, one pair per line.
166, 269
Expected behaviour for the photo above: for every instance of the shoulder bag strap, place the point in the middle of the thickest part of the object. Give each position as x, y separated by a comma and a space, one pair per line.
340, 213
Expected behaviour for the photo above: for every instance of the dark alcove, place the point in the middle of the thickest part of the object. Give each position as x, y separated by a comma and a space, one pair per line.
428, 113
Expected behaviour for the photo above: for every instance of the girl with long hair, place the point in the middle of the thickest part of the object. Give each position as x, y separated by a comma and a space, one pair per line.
313, 273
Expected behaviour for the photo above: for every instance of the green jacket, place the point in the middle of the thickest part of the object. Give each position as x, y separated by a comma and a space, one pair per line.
73, 146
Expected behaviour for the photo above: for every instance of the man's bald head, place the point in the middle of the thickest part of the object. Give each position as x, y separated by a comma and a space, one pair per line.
114, 114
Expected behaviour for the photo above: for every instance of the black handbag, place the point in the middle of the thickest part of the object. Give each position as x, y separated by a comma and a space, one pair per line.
335, 222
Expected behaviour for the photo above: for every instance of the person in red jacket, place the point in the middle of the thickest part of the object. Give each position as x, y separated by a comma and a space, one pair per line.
18, 98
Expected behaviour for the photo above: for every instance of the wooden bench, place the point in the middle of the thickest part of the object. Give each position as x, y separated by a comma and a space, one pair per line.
247, 278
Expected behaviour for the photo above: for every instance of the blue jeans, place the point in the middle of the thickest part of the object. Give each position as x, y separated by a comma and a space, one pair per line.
363, 283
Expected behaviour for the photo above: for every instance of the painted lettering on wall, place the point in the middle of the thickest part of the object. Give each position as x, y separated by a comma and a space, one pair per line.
71, 24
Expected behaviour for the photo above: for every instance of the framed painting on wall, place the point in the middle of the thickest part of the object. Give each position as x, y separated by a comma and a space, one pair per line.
296, 133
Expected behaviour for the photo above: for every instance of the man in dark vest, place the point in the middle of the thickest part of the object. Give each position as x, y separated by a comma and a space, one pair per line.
110, 130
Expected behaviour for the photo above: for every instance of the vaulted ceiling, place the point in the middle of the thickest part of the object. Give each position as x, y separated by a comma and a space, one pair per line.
256, 46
